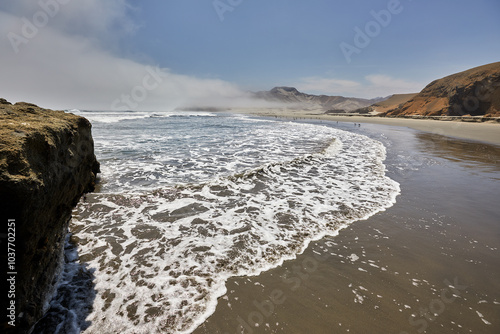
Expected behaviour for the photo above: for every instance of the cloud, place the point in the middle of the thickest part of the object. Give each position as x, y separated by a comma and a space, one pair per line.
327, 85
57, 56
385, 83
94, 19
65, 54
372, 86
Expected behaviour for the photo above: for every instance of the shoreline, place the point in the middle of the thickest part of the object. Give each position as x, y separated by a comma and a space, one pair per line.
424, 254
477, 131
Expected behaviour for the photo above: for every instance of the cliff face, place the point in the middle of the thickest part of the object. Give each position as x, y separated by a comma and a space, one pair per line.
474, 92
47, 163
325, 102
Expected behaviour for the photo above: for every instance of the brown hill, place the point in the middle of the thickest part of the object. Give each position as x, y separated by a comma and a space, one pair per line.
291, 95
392, 102
473, 92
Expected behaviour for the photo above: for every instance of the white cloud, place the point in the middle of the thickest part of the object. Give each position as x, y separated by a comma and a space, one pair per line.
372, 86
326, 85
95, 19
63, 64
385, 83
62, 54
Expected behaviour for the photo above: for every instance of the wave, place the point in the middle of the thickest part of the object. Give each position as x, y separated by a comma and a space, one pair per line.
165, 254
185, 114
118, 116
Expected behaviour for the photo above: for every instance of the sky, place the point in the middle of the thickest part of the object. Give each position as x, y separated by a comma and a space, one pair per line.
162, 54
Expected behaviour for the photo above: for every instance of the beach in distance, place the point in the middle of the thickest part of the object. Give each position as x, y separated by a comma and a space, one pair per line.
488, 132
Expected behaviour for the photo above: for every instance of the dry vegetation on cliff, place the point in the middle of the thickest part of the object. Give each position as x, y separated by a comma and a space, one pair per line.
475, 92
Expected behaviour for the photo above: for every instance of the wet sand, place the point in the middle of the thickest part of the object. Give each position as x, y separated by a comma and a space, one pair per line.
429, 264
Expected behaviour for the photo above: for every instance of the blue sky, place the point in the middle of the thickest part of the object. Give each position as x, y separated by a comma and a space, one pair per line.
206, 49
279, 42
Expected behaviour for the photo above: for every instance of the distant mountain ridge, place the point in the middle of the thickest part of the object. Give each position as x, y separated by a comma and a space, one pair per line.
291, 95
474, 92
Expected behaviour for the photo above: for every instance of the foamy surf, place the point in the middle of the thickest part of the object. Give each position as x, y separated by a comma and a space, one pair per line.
117, 116
235, 198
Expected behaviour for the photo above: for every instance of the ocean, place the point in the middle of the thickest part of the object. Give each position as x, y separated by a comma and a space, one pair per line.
187, 200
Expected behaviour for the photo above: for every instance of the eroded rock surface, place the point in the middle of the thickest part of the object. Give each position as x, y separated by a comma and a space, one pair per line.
47, 163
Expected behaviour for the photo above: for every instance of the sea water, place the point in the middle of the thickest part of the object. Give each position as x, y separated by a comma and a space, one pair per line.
187, 200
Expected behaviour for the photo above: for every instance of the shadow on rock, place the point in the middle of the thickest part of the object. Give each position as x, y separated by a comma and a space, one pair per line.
73, 300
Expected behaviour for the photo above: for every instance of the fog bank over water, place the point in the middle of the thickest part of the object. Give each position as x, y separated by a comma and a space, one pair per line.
61, 56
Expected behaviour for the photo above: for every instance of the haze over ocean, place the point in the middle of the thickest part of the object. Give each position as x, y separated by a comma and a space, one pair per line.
86, 54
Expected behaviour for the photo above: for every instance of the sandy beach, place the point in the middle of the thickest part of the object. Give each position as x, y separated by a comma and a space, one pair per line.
429, 264
488, 132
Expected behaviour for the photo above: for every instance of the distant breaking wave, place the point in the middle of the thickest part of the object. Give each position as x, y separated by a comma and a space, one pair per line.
117, 116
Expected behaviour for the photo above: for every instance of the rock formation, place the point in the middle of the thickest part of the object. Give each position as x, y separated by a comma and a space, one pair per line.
47, 163
291, 95
475, 92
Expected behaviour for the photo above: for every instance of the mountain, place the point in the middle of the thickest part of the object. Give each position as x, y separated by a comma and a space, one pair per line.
392, 102
473, 92
290, 95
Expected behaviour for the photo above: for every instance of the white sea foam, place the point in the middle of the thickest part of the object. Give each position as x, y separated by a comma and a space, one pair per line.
119, 116
235, 200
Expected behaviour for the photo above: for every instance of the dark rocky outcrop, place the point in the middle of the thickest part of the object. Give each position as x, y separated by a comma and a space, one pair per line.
291, 95
475, 92
47, 163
